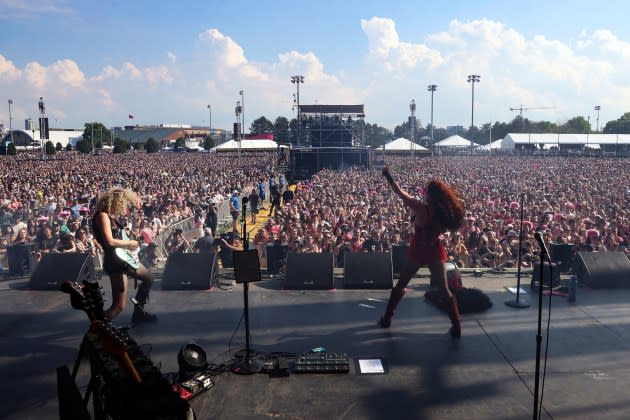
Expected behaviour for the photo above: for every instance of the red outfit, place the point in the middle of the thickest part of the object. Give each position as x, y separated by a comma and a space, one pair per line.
425, 246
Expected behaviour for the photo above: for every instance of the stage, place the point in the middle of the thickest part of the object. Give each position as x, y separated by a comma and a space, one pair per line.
487, 374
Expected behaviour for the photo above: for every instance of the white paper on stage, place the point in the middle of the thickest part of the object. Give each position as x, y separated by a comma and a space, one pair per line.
513, 290
371, 366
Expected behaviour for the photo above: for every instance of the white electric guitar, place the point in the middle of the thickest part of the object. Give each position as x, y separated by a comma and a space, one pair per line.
125, 255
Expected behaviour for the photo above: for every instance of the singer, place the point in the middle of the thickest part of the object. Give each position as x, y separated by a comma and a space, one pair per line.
440, 210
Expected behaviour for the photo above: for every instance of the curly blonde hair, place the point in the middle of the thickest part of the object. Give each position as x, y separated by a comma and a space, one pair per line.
116, 200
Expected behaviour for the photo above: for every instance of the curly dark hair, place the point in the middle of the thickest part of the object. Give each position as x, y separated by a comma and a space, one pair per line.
447, 204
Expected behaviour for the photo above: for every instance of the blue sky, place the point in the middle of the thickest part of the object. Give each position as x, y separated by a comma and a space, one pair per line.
164, 62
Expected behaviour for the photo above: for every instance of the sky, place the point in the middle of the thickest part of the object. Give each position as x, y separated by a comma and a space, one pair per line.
164, 62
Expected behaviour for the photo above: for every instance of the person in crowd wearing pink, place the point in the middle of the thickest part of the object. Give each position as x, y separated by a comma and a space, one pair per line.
441, 210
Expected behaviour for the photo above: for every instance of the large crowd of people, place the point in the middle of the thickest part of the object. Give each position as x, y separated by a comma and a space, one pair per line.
579, 201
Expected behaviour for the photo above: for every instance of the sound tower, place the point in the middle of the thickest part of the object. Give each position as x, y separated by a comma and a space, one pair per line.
54, 269
20, 259
602, 270
309, 271
189, 271
367, 270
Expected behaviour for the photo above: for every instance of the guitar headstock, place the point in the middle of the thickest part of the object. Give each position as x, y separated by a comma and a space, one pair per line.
87, 298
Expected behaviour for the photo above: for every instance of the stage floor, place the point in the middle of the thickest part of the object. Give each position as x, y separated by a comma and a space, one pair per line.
487, 374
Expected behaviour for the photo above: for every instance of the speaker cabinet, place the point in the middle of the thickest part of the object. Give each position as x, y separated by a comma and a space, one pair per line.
553, 274
189, 272
20, 259
309, 271
276, 257
399, 255
602, 270
368, 270
54, 269
563, 256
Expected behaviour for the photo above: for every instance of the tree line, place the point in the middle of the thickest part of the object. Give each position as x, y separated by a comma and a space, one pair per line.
285, 131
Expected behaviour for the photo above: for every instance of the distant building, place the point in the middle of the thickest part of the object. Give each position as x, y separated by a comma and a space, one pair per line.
454, 129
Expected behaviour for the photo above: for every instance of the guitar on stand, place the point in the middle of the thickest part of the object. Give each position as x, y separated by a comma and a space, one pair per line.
115, 343
87, 298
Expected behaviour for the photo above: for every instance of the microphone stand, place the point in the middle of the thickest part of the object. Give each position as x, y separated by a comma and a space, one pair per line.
543, 256
517, 303
246, 366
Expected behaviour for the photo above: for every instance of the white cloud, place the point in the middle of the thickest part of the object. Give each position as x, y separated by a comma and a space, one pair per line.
8, 71
172, 57
385, 47
106, 97
228, 55
36, 74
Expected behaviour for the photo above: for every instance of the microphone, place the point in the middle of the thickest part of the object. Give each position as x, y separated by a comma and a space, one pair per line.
541, 243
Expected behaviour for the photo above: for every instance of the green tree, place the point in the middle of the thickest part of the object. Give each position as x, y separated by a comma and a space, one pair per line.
101, 134
375, 135
261, 126
576, 125
84, 146
50, 148
180, 144
58, 147
619, 126
120, 146
11, 150
69, 147
281, 130
152, 145
138, 146
208, 143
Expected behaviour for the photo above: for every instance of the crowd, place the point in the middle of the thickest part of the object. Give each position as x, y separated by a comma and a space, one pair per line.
583, 202
578, 201
48, 203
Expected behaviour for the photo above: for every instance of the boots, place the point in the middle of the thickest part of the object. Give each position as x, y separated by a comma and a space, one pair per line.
394, 299
139, 314
453, 314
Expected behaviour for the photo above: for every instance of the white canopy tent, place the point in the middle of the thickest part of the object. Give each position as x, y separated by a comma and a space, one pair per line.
455, 141
400, 145
491, 146
248, 145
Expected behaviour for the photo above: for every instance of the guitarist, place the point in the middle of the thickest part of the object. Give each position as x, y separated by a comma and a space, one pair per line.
108, 233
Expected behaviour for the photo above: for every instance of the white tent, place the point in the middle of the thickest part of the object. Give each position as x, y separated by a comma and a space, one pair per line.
491, 146
455, 141
249, 145
401, 144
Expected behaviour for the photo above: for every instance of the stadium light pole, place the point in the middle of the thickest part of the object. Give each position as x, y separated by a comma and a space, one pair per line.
412, 126
597, 108
472, 79
242, 93
6, 144
297, 79
432, 88
210, 121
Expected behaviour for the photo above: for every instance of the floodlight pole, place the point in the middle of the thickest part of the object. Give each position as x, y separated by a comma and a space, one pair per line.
472, 79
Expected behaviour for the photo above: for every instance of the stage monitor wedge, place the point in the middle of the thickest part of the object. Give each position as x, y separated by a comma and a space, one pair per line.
602, 270
189, 271
309, 271
367, 270
55, 268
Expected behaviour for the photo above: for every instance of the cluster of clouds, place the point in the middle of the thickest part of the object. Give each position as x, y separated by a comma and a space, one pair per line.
569, 77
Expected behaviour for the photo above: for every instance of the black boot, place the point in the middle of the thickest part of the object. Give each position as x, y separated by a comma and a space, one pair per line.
139, 314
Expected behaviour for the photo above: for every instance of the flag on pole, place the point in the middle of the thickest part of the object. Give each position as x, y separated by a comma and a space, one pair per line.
130, 116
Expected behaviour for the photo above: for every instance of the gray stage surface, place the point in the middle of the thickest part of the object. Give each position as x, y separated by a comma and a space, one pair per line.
487, 374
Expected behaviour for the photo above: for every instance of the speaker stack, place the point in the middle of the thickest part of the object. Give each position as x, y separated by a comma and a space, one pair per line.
54, 269
602, 270
189, 271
